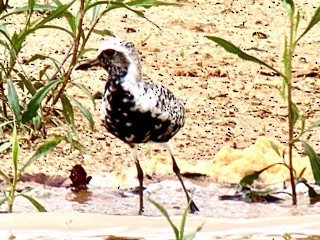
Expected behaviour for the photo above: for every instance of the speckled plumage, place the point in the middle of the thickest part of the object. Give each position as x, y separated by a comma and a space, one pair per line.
134, 109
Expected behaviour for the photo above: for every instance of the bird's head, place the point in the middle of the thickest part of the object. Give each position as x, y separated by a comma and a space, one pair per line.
116, 56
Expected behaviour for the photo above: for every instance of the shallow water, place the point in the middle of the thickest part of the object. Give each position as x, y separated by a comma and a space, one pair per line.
106, 200
101, 212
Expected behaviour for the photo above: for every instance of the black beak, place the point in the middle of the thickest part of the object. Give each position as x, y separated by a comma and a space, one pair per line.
88, 64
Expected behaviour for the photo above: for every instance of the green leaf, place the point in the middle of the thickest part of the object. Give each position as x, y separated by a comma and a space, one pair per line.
104, 32
150, 3
229, 47
303, 125
315, 19
56, 27
166, 215
3, 200
86, 91
294, 113
77, 145
36, 100
31, 4
183, 220
72, 22
56, 13
15, 151
314, 125
250, 178
311, 192
28, 84
95, 12
13, 100
36, 57
192, 235
289, 6
5, 122
84, 111
36, 7
119, 4
275, 148
34, 202
67, 109
299, 176
6, 178
42, 151
36, 121
5, 146
286, 61
43, 71
314, 161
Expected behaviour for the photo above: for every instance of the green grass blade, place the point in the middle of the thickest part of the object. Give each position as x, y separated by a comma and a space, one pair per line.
84, 111
314, 161
166, 215
13, 100
42, 151
36, 100
67, 109
34, 202
229, 47
315, 19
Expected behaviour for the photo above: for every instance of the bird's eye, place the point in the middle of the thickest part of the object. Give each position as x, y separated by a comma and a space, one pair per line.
109, 52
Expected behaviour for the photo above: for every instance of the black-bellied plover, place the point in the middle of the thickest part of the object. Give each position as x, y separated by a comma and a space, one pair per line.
135, 109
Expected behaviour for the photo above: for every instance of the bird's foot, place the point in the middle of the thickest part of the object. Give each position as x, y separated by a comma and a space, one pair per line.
141, 210
193, 207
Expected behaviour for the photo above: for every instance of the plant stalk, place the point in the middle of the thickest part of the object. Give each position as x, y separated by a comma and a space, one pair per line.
74, 54
290, 46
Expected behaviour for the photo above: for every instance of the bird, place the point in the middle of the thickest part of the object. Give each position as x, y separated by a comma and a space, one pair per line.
135, 109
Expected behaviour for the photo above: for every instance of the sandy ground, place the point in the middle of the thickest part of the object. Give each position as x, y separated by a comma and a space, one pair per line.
229, 102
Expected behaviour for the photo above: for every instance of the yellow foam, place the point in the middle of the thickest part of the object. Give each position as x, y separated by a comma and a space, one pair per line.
228, 165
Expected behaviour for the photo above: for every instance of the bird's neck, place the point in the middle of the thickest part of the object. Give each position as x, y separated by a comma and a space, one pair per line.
123, 77
131, 72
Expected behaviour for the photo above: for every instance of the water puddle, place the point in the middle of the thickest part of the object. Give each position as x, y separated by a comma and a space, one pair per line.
114, 201
110, 213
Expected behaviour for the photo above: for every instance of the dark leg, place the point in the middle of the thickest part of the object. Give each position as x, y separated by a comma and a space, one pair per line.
140, 177
176, 170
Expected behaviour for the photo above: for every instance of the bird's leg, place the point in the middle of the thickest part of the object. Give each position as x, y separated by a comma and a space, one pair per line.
139, 175
193, 207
